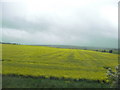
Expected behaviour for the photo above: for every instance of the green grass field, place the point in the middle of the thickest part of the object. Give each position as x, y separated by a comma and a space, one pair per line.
17, 81
56, 62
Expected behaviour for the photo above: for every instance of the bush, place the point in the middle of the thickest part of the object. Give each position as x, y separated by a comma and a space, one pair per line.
114, 77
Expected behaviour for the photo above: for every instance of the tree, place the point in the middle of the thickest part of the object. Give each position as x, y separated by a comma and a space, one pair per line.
110, 51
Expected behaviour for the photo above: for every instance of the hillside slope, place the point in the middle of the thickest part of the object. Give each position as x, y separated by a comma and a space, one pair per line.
57, 62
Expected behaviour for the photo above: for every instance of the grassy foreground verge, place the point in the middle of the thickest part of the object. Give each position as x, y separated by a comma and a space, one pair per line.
17, 81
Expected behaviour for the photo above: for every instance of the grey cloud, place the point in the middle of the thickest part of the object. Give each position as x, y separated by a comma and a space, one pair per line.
22, 24
84, 26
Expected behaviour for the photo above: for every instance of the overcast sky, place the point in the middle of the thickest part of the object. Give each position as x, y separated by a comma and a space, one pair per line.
61, 22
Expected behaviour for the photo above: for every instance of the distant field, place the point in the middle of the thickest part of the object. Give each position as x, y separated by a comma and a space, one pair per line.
56, 62
99, 49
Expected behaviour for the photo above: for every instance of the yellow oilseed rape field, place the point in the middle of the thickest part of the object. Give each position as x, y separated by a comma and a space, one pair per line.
57, 62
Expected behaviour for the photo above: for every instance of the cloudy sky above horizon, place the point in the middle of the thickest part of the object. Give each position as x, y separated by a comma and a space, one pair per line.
61, 22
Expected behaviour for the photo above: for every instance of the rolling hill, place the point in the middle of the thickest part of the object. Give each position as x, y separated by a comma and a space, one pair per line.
56, 62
